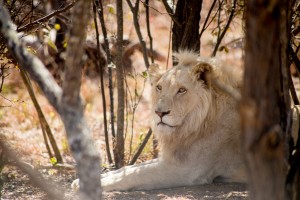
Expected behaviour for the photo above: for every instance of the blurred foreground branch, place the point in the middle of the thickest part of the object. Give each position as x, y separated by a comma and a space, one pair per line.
67, 102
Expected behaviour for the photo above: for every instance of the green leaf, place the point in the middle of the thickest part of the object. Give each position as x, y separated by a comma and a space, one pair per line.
144, 74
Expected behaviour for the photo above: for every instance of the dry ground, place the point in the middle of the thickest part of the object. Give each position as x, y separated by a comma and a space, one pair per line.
19, 125
17, 186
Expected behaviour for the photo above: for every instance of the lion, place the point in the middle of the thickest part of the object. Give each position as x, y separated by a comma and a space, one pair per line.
197, 127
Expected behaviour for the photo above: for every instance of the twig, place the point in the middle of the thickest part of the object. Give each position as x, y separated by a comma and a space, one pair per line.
149, 31
170, 12
99, 7
221, 36
134, 105
35, 177
102, 90
204, 27
142, 146
30, 12
134, 10
169, 45
32, 64
46, 18
156, 10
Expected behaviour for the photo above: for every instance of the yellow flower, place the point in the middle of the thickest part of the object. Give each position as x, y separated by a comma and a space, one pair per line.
57, 27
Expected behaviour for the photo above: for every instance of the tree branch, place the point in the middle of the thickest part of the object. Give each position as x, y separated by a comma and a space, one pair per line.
170, 12
134, 10
109, 157
141, 147
204, 27
47, 17
220, 38
99, 7
68, 102
30, 63
149, 31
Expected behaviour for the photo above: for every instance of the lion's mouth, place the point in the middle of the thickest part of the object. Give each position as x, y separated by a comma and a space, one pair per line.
164, 124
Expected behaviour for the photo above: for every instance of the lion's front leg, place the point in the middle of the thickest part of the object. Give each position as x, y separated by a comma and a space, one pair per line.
146, 176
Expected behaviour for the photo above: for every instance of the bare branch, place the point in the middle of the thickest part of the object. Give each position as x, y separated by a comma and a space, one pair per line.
109, 157
149, 31
44, 124
68, 102
33, 65
47, 17
134, 10
99, 7
141, 147
221, 36
205, 25
170, 12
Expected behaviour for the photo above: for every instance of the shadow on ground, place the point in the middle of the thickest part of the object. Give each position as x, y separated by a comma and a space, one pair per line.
211, 191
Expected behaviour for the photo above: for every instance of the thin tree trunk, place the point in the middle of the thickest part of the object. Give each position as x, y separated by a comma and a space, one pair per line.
101, 70
119, 143
87, 159
109, 62
265, 108
47, 133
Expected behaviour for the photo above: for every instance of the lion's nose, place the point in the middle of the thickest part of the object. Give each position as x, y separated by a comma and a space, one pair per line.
161, 114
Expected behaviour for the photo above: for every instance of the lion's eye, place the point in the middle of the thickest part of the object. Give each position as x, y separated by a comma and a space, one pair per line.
182, 91
158, 88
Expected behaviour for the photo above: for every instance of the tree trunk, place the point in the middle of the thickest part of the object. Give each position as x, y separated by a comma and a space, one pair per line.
79, 137
265, 108
186, 28
119, 143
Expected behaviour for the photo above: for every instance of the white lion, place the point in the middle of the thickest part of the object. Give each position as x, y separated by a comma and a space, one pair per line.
197, 126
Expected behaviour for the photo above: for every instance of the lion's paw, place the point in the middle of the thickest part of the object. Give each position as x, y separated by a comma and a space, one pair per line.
75, 184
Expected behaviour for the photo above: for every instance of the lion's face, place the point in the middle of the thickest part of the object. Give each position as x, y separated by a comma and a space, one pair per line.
181, 97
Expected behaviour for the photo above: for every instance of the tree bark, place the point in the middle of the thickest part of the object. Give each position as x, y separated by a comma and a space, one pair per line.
119, 143
186, 29
265, 108
80, 140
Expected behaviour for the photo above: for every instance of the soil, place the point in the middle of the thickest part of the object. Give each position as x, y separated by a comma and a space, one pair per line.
17, 186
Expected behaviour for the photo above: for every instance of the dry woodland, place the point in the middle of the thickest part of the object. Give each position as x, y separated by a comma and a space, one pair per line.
22, 131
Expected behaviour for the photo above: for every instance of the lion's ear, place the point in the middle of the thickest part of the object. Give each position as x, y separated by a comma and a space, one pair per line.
154, 73
201, 72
